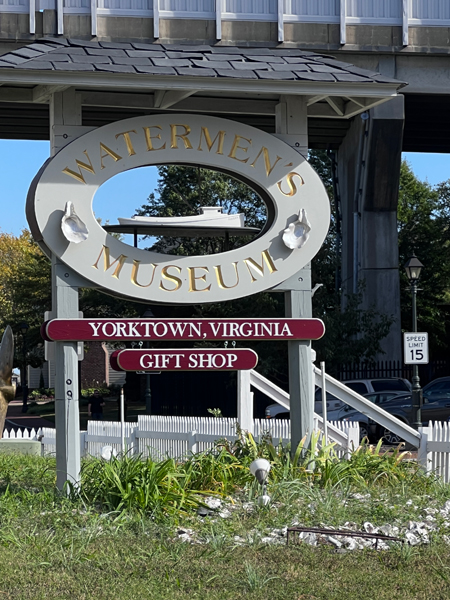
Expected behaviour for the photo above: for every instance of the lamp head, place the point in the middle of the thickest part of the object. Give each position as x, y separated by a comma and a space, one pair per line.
260, 469
413, 268
24, 327
108, 452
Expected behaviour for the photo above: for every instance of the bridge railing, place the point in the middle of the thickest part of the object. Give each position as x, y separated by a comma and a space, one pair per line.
402, 13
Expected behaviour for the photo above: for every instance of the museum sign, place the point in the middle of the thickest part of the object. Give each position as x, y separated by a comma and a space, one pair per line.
61, 216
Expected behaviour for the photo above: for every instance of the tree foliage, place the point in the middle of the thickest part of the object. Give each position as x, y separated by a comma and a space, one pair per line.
424, 228
351, 336
25, 289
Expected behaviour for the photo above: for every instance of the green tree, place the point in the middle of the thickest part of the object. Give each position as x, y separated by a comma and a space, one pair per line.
424, 228
355, 334
25, 294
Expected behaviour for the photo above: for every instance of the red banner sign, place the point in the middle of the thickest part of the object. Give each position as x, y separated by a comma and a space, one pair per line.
184, 360
75, 330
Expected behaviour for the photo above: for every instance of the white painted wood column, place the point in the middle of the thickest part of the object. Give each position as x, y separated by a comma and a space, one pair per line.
60, 16
343, 22
65, 110
156, 19
405, 22
32, 16
245, 401
219, 11
94, 17
281, 20
292, 126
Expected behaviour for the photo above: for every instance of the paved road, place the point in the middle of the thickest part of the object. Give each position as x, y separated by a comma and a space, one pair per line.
16, 419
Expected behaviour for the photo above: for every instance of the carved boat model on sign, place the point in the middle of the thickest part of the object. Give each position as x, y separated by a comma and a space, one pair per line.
211, 222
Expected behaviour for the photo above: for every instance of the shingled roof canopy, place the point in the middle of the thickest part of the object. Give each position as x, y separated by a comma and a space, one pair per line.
183, 77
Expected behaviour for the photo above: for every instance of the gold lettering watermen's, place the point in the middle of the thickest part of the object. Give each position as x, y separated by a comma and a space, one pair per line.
220, 137
291, 184
149, 138
128, 142
235, 147
276, 172
174, 135
107, 152
269, 167
81, 165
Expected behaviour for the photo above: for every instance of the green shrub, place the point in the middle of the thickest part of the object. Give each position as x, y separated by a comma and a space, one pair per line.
130, 484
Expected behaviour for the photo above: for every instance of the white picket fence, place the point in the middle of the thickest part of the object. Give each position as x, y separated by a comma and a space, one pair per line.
178, 437
434, 452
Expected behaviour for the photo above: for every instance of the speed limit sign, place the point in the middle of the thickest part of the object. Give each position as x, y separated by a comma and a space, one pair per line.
415, 347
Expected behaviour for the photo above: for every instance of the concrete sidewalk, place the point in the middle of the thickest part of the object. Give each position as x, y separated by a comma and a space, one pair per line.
16, 419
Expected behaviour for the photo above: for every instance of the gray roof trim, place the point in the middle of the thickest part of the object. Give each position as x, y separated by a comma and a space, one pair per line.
224, 66
102, 80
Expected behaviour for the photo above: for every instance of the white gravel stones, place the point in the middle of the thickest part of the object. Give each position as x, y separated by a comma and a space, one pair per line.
213, 503
369, 528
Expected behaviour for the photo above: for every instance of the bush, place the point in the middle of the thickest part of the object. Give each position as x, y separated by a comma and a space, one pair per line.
130, 484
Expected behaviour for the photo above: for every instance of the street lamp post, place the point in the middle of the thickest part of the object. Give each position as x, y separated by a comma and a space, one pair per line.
413, 268
24, 328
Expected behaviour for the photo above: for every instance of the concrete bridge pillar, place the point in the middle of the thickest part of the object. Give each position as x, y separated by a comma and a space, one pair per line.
369, 170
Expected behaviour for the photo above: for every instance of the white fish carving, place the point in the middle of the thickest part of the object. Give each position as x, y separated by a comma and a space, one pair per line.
72, 226
297, 233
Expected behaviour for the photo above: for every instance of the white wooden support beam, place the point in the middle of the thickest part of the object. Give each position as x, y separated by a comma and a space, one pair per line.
245, 401
291, 120
313, 99
281, 20
60, 16
359, 101
322, 110
67, 416
343, 22
156, 19
158, 98
219, 11
94, 17
405, 22
32, 16
337, 104
65, 109
43, 93
165, 98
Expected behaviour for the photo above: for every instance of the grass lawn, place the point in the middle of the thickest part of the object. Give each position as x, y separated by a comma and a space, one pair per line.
56, 548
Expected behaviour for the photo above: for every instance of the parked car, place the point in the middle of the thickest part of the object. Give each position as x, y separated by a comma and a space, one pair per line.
362, 386
436, 407
365, 423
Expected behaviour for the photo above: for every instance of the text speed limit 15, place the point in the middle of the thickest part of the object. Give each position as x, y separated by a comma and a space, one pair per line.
415, 348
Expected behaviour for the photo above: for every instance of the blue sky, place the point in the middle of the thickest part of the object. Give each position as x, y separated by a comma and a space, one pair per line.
20, 161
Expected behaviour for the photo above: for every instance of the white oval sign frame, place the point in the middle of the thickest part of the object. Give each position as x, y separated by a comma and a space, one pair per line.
280, 175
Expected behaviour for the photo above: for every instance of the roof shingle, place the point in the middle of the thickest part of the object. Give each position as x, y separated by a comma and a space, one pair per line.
186, 61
